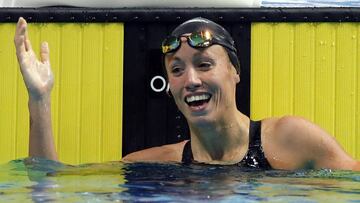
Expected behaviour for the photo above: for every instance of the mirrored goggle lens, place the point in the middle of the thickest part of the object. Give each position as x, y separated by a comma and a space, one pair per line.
170, 44
201, 39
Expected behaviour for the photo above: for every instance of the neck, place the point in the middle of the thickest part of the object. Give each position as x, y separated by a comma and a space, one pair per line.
223, 141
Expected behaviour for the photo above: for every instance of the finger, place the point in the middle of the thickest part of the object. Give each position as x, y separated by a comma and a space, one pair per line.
28, 46
19, 38
45, 53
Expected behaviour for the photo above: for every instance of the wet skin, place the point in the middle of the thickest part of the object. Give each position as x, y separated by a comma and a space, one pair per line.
39, 80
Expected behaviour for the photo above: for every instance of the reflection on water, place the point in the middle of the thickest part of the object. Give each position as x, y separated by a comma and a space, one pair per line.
42, 180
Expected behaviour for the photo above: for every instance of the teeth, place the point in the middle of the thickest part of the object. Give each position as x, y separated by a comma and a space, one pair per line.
197, 98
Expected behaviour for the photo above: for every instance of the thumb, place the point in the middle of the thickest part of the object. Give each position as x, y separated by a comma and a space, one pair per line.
45, 53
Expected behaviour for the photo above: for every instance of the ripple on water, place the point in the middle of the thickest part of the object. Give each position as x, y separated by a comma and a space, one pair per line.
44, 180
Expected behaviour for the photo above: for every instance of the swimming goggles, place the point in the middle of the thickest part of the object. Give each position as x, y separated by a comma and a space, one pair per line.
200, 39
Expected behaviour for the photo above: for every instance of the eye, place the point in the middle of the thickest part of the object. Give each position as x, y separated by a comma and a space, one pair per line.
205, 65
176, 70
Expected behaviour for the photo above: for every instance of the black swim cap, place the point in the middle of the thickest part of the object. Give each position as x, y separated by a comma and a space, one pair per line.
200, 24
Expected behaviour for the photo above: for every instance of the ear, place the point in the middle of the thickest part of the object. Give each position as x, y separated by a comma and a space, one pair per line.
235, 74
237, 77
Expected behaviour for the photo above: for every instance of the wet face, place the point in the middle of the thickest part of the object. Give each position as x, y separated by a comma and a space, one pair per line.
203, 82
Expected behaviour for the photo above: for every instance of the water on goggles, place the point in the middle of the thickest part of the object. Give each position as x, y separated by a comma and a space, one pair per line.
39, 180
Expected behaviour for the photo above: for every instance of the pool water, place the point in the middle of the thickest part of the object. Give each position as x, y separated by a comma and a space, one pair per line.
39, 180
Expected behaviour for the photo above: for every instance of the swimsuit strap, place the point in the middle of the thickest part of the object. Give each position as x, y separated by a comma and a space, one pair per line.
255, 156
187, 156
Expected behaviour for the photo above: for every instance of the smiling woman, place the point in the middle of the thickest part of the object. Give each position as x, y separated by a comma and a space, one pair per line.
203, 78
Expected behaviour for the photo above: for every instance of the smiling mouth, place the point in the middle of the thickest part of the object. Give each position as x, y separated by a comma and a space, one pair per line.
197, 100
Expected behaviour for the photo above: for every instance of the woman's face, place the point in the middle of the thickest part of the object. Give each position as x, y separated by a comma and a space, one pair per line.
202, 81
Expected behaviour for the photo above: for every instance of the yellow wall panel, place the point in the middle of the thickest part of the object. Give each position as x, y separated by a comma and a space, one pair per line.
70, 78
345, 85
283, 69
262, 68
112, 103
314, 71
304, 64
87, 61
357, 93
8, 94
91, 93
325, 75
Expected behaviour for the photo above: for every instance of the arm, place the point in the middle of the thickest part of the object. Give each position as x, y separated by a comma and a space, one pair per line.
312, 144
165, 153
38, 79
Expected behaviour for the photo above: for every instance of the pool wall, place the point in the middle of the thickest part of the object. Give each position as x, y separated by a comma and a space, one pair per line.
310, 70
109, 96
87, 97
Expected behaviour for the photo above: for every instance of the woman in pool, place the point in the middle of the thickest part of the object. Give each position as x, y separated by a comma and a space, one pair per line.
202, 69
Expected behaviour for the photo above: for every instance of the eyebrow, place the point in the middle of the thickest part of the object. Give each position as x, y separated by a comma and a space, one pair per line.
175, 59
200, 56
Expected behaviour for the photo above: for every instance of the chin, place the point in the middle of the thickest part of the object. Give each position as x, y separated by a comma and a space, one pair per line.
200, 120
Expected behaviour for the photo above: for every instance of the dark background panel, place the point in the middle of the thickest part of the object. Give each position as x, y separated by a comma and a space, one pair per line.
151, 118
134, 88
241, 34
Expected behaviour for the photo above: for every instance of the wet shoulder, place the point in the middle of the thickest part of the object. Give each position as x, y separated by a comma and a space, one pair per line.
281, 141
165, 153
283, 125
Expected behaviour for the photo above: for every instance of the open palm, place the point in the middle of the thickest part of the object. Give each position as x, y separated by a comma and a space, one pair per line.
36, 73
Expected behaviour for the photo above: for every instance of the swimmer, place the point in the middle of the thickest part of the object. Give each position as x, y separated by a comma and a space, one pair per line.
203, 70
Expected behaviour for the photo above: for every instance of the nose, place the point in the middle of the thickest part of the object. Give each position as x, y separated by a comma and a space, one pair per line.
193, 80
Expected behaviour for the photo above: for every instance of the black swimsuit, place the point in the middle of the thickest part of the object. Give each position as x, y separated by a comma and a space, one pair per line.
254, 158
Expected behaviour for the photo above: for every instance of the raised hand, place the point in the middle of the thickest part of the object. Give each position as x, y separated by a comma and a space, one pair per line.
36, 73
39, 81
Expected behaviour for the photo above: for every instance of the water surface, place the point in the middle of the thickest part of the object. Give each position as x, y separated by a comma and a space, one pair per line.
40, 180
